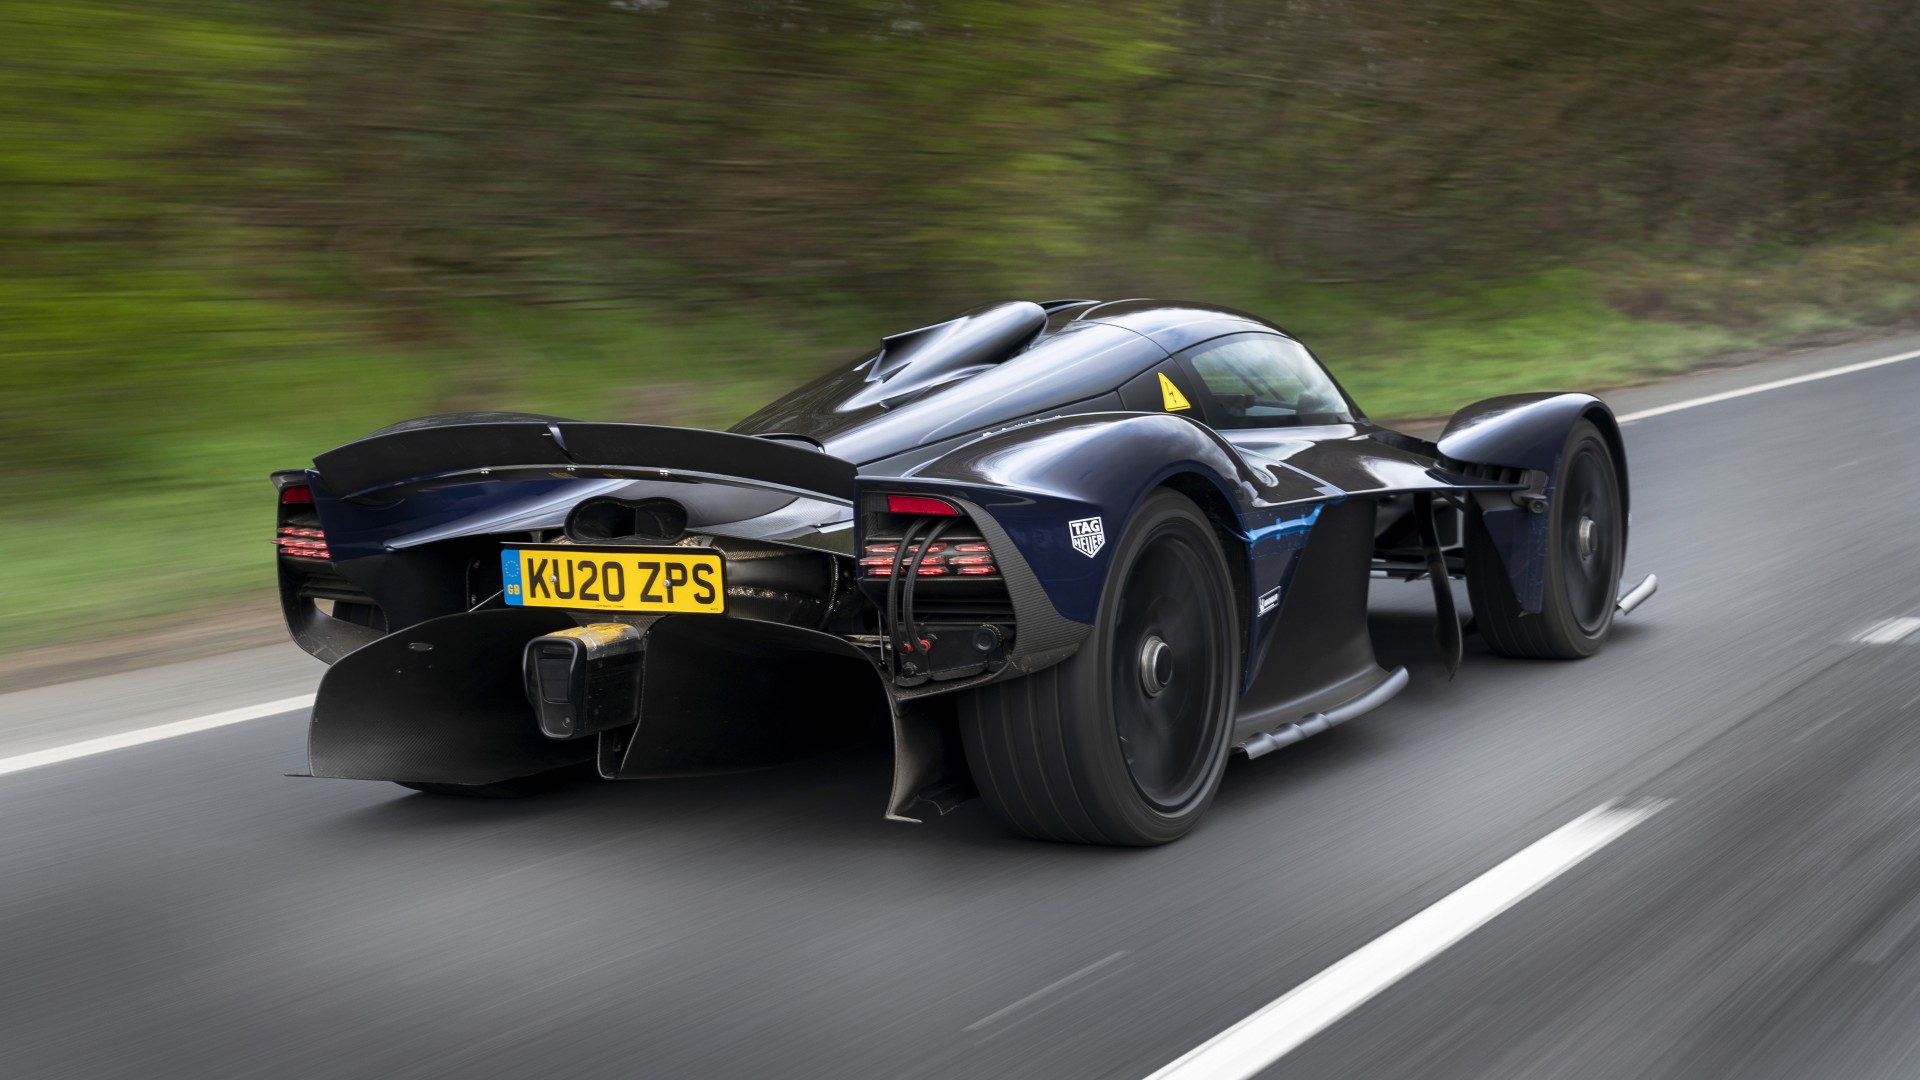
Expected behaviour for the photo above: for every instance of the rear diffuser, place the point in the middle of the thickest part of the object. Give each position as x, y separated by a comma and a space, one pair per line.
439, 702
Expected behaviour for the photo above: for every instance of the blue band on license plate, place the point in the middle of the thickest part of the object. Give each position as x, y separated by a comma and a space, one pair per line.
681, 580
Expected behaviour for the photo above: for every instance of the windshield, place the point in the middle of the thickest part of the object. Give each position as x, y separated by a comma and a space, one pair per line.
1265, 380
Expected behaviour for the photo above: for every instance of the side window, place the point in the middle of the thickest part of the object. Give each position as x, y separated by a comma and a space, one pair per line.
1264, 380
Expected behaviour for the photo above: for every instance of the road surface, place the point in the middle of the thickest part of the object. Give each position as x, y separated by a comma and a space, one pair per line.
181, 909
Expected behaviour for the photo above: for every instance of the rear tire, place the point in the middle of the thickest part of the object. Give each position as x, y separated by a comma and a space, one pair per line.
1586, 541
1124, 742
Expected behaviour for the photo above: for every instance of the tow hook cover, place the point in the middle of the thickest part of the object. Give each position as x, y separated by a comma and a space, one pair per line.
585, 679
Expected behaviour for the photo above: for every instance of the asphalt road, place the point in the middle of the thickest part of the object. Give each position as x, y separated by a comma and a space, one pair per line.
182, 909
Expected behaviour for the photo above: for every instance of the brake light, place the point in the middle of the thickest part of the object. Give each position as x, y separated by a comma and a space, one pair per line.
920, 504
290, 496
304, 543
940, 559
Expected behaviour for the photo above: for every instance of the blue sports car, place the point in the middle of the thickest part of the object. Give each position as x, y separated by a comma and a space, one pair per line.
1071, 555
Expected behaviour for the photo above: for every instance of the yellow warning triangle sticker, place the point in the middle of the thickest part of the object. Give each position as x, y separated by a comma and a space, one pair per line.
1171, 394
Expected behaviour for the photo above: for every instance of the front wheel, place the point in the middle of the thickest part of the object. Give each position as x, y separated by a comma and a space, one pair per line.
1586, 541
1124, 742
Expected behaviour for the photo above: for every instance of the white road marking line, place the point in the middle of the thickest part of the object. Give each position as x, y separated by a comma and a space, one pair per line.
1044, 991
142, 736
1761, 388
1271, 1033
1887, 631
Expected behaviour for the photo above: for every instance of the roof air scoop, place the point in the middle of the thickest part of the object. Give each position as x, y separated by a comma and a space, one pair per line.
918, 359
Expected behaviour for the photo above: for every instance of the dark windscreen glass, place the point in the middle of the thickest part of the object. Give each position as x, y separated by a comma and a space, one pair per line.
1264, 380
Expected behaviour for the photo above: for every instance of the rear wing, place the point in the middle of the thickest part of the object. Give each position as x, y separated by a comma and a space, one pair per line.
537, 450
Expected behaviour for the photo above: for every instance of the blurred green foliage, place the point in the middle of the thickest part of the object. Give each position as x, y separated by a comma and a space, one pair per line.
237, 232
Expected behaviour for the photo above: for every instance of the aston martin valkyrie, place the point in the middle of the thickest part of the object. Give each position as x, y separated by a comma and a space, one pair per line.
1071, 555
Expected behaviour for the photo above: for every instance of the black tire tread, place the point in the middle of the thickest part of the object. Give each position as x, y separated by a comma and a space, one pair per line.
1505, 628
1034, 788
1018, 736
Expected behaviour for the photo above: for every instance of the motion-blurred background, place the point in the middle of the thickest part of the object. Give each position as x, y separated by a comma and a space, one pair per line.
234, 233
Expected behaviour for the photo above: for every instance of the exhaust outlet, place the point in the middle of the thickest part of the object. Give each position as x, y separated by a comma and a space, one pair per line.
585, 679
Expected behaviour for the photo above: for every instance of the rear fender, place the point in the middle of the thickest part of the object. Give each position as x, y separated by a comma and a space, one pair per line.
1043, 485
1529, 431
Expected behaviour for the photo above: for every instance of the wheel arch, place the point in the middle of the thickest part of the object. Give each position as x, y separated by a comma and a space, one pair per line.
1037, 478
1529, 432
1205, 493
1603, 418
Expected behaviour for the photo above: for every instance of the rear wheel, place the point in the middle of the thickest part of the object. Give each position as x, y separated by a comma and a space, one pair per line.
1124, 742
1586, 534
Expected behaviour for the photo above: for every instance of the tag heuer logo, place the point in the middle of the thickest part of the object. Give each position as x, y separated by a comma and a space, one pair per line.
1087, 535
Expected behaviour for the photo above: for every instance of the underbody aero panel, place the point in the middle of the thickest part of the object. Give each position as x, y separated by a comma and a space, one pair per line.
440, 702
720, 695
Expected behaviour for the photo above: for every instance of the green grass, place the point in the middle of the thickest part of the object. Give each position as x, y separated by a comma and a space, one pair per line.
157, 500
150, 415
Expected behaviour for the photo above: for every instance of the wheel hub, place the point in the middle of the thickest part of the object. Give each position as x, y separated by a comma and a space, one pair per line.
1588, 534
1156, 666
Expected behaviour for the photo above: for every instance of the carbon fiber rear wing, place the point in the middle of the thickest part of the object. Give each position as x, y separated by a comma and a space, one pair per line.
536, 450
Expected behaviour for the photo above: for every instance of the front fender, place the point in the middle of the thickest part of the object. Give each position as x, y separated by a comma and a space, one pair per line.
1529, 431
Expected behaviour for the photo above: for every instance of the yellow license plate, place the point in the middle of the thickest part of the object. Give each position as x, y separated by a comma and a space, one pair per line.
678, 580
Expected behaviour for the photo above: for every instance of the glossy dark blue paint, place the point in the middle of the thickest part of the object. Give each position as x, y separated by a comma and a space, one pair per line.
1529, 431
1078, 361
1097, 465
1526, 430
1036, 478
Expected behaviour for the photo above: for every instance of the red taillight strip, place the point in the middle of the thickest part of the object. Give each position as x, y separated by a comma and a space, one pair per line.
304, 543
971, 558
